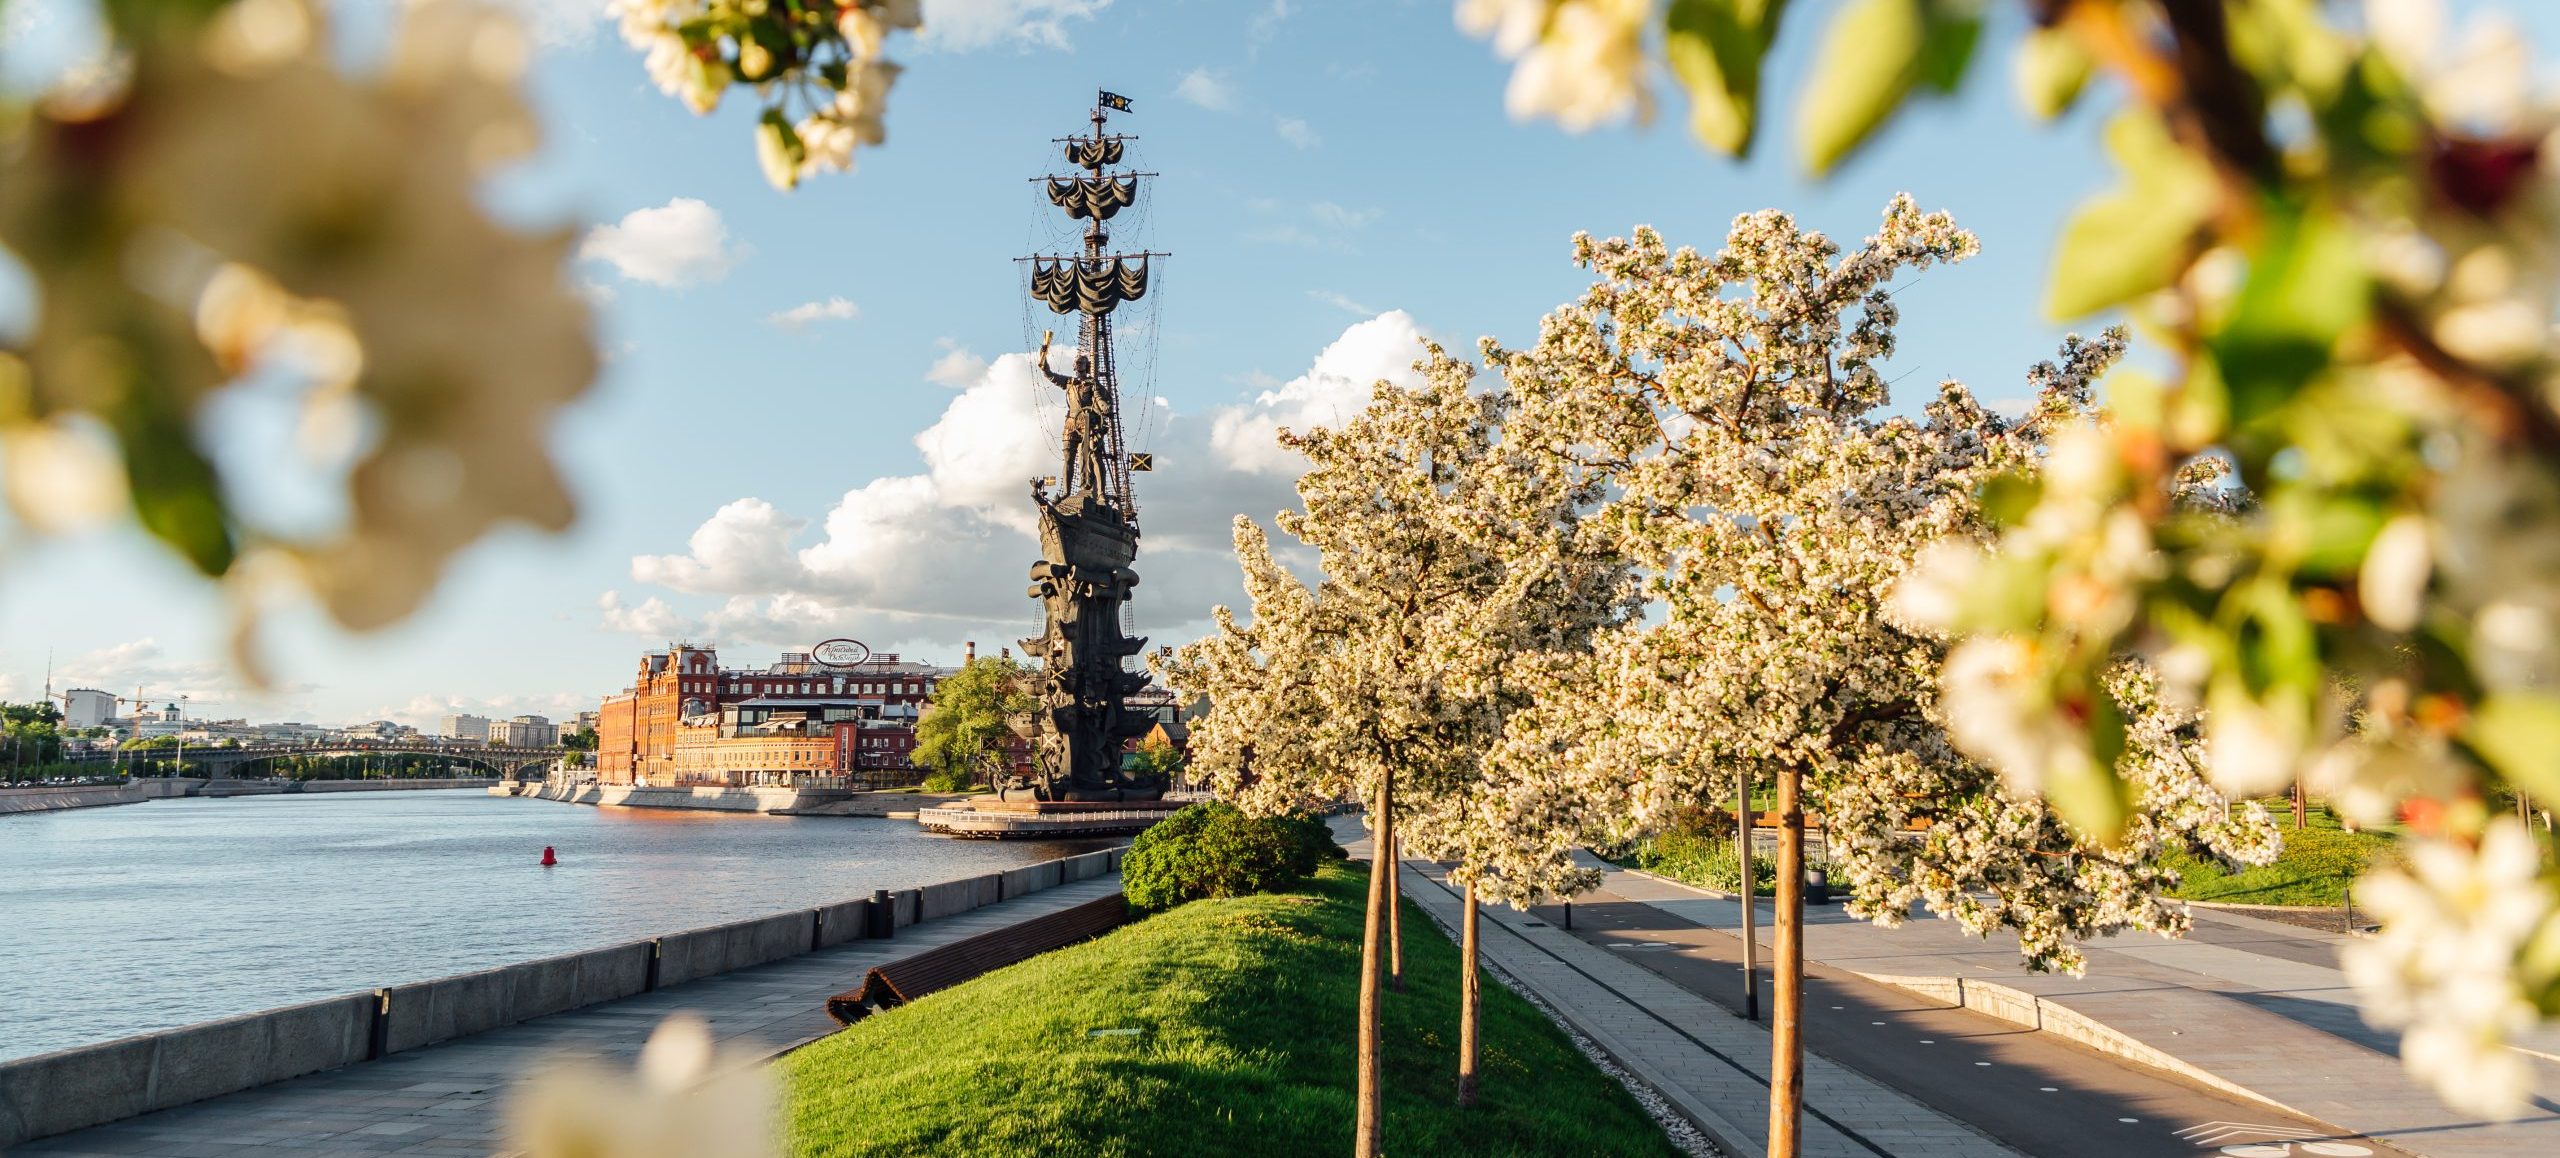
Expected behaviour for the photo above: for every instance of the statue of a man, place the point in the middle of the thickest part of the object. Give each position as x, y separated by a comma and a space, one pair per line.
1087, 420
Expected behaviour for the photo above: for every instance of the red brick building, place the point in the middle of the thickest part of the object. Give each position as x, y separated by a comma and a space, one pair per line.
687, 720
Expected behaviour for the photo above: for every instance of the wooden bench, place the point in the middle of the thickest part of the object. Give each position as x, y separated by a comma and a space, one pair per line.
907, 978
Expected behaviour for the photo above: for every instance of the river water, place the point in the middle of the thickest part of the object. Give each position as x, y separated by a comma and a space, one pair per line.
139, 917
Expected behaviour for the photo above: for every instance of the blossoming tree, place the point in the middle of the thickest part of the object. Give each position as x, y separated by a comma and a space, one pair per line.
2341, 220
1734, 404
1448, 553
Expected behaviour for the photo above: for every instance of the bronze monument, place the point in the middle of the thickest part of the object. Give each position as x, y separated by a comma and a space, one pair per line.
1088, 517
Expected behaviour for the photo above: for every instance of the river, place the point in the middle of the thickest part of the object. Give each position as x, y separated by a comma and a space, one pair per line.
140, 917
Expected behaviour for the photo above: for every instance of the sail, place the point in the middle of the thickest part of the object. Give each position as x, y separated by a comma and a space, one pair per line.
1094, 197
1095, 287
1094, 154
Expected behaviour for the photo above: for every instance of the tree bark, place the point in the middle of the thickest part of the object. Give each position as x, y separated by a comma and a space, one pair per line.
1786, 1033
1469, 1002
1395, 913
2301, 804
1369, 1134
1750, 906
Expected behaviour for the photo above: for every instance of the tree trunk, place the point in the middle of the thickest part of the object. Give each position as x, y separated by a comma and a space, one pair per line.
1750, 906
1469, 1002
2301, 804
1395, 912
1369, 1137
1786, 1033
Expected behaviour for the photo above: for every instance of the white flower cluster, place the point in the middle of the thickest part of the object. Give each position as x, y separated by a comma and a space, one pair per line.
1452, 556
1734, 405
2443, 970
819, 66
2376, 616
229, 202
1579, 61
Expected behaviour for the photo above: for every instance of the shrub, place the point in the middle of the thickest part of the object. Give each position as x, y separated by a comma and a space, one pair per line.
1706, 862
1215, 850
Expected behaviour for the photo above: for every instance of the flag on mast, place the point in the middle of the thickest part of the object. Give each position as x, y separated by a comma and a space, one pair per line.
1113, 100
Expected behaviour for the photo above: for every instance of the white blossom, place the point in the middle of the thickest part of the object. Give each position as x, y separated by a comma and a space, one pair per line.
1579, 61
1736, 405
2445, 967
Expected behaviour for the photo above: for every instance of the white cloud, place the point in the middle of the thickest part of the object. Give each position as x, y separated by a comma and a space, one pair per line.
964, 25
738, 548
679, 243
1335, 215
426, 713
940, 556
1340, 302
1296, 132
1267, 22
957, 368
651, 618
807, 314
1207, 89
561, 23
212, 689
1333, 389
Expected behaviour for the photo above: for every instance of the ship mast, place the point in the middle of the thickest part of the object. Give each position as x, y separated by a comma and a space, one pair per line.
1091, 284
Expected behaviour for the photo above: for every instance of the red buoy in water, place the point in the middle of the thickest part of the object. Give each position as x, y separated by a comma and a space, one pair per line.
549, 858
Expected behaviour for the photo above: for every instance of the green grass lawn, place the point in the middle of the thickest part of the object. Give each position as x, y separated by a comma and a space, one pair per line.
2314, 869
1246, 1016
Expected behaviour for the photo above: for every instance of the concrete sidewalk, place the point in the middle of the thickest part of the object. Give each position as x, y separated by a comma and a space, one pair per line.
1708, 1063
2243, 1005
445, 1099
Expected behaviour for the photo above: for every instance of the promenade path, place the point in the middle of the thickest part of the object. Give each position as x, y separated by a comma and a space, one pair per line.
1712, 1066
447, 1098
2250, 1006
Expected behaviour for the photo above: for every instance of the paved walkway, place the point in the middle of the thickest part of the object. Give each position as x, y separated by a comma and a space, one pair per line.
444, 1099
1710, 1064
2259, 1006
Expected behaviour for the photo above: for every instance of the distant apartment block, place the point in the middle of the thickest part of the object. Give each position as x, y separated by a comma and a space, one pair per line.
474, 728
524, 732
87, 708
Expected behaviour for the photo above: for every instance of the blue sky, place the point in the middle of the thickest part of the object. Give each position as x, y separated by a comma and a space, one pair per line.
1337, 177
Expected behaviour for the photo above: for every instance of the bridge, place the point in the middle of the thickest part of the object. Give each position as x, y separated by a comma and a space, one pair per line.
217, 762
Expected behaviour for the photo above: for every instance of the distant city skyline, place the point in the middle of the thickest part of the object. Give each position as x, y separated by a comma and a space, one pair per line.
817, 413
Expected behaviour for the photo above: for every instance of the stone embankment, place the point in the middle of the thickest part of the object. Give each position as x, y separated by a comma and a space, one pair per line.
73, 1089
56, 798
394, 785
784, 801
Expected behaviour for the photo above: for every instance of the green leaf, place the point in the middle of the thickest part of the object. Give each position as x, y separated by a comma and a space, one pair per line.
2086, 790
779, 149
1715, 48
2006, 498
2136, 237
1947, 47
2518, 733
175, 494
2051, 71
2306, 288
1869, 60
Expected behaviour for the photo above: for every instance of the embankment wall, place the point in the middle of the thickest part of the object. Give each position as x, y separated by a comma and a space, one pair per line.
76, 1088
55, 799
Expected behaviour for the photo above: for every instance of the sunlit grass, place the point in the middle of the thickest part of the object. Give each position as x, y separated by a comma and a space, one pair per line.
1245, 1016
